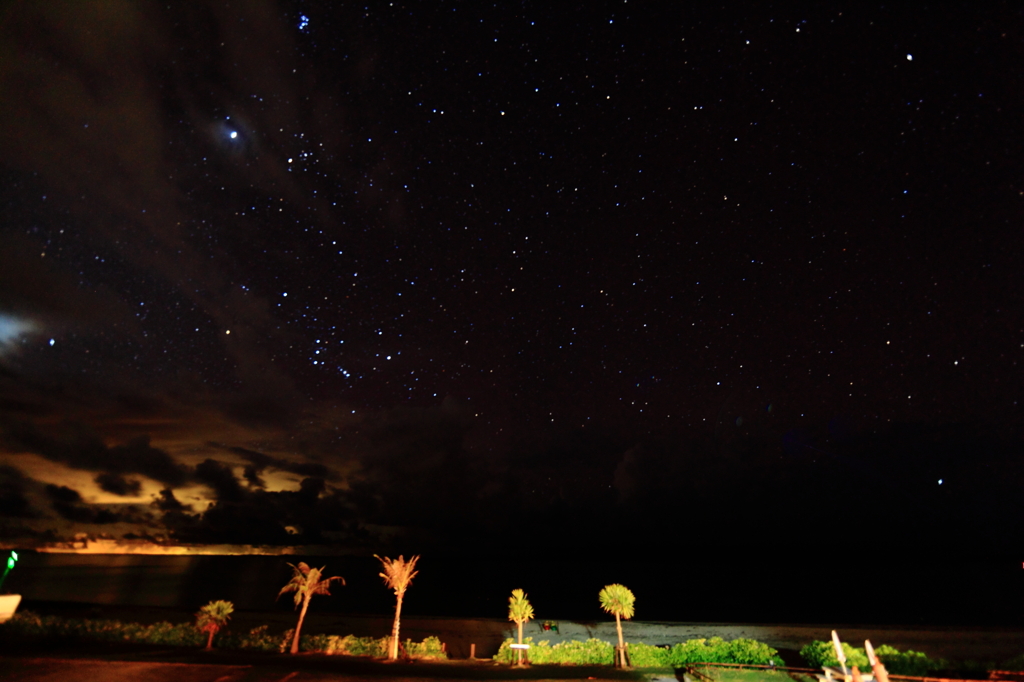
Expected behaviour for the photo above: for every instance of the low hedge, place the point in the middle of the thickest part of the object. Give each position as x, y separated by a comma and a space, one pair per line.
27, 623
600, 652
897, 662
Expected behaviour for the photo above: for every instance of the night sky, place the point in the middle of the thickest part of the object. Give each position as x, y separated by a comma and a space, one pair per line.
449, 277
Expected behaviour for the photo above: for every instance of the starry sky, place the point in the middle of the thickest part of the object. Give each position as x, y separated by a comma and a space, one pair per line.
388, 276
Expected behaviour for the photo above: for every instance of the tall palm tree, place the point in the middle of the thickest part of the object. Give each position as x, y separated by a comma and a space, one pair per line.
212, 617
398, 573
617, 599
519, 612
305, 583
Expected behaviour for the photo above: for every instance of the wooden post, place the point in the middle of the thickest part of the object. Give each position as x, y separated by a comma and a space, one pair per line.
472, 651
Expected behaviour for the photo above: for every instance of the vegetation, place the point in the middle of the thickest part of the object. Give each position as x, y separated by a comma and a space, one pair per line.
599, 652
570, 652
618, 600
897, 662
429, 648
398, 574
717, 650
212, 617
305, 583
519, 611
27, 623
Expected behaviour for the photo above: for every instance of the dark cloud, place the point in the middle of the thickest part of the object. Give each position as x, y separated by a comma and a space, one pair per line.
261, 461
309, 515
13, 501
62, 494
220, 479
167, 502
69, 505
79, 447
252, 476
118, 485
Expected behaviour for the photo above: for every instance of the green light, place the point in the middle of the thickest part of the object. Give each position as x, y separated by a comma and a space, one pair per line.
14, 555
10, 562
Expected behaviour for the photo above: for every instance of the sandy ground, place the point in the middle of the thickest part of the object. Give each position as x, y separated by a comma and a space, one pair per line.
978, 643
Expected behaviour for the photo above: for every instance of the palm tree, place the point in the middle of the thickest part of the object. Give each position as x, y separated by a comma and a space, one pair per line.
305, 583
398, 573
212, 617
519, 611
617, 599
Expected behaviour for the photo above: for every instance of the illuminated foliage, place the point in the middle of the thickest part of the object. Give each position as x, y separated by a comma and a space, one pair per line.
212, 617
618, 600
519, 612
305, 583
398, 574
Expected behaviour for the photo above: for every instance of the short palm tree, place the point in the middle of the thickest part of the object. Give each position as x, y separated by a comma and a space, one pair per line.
212, 617
305, 583
398, 573
519, 612
618, 600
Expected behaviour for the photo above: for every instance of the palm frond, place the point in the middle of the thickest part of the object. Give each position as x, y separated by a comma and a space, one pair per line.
519, 608
617, 600
398, 573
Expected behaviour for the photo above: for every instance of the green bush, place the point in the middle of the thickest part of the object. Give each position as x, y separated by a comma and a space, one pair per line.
599, 652
166, 634
569, 652
648, 655
897, 662
350, 645
717, 650
818, 654
27, 623
257, 639
429, 648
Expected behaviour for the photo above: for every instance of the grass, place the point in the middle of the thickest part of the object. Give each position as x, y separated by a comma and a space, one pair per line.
754, 675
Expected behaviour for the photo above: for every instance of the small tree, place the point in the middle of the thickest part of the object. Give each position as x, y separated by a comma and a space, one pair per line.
305, 583
398, 573
618, 600
212, 617
519, 612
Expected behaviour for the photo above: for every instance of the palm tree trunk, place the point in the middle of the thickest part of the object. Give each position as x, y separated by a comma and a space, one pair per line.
209, 642
621, 655
298, 628
519, 652
393, 654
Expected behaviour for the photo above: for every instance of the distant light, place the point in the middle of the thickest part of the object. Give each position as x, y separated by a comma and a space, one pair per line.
233, 134
940, 481
910, 57
52, 342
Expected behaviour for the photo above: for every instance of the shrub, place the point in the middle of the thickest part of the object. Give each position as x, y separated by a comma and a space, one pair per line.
599, 652
717, 650
818, 654
429, 648
257, 639
27, 623
350, 645
569, 652
165, 634
648, 656
897, 662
